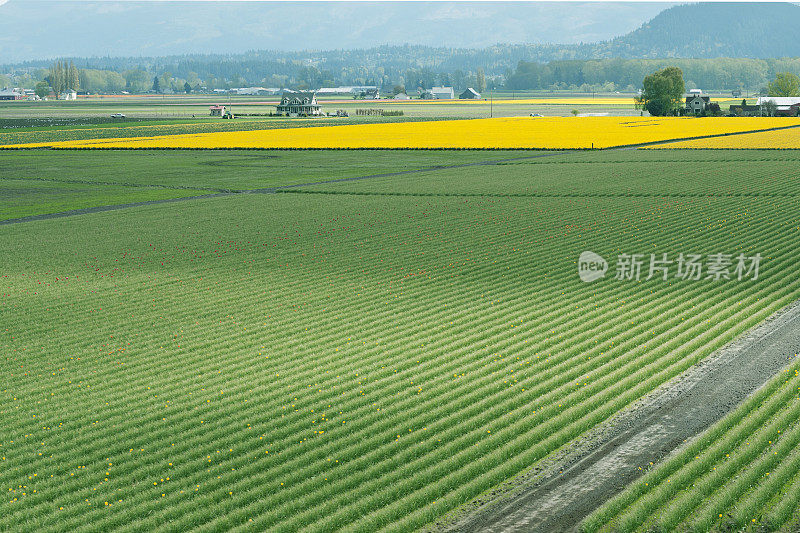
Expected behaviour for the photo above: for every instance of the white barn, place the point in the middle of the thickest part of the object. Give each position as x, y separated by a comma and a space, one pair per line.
443, 93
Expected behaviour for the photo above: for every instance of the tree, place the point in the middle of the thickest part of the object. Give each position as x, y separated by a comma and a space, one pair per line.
187, 87
156, 85
42, 89
713, 110
57, 77
137, 80
165, 81
73, 79
662, 92
480, 81
398, 89
768, 108
785, 84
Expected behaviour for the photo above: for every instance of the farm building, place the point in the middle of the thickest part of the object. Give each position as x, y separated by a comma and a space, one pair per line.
785, 106
217, 110
470, 94
443, 93
68, 95
354, 90
256, 91
299, 103
401, 96
697, 103
745, 110
11, 94
368, 94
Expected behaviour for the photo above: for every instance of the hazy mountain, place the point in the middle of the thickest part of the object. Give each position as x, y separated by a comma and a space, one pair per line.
40, 29
759, 30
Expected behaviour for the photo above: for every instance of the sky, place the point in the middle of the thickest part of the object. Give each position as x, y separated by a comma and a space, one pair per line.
43, 29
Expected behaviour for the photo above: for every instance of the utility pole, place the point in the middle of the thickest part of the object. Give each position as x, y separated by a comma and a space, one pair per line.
491, 103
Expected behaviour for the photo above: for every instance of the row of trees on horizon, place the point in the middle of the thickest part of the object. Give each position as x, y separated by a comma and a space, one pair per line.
602, 75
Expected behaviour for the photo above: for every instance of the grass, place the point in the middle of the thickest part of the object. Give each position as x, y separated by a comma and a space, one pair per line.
26, 197
183, 106
40, 182
348, 361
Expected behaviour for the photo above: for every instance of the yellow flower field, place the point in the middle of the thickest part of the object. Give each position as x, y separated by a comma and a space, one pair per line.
583, 100
518, 132
788, 138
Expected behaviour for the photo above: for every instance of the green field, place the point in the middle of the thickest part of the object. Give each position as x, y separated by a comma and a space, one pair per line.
369, 355
35, 182
742, 474
31, 131
185, 106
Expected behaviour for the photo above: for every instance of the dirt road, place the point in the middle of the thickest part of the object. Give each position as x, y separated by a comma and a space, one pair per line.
560, 495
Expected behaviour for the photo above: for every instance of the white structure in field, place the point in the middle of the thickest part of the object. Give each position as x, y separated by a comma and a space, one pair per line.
443, 93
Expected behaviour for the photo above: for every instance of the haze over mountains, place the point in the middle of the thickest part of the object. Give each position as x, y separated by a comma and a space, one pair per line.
760, 30
43, 29
342, 41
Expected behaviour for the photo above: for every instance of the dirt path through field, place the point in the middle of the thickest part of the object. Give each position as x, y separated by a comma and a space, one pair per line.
559, 495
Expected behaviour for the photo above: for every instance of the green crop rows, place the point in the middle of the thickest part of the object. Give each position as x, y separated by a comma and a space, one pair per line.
287, 362
742, 473
36, 182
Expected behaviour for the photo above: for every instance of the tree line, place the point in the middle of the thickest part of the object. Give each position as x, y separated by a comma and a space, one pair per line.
627, 74
191, 74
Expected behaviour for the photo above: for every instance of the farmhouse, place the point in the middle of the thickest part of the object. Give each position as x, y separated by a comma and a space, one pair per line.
443, 93
470, 94
696, 103
217, 110
11, 94
299, 103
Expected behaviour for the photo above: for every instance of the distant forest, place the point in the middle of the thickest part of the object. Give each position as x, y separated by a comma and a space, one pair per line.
719, 74
408, 66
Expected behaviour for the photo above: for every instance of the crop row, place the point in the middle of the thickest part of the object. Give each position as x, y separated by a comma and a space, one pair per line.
742, 472
451, 335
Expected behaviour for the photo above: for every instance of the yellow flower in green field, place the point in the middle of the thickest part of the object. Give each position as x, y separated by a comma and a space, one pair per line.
518, 132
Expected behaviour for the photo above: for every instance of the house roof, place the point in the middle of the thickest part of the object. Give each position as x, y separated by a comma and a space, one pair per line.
779, 100
299, 97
